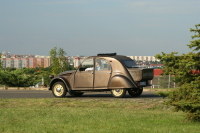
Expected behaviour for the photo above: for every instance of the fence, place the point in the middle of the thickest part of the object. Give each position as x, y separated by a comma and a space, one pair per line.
166, 81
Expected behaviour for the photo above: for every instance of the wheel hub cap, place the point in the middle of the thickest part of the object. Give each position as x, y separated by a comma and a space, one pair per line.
117, 90
58, 89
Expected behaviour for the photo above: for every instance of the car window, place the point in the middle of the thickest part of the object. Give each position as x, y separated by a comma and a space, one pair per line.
129, 63
87, 65
102, 65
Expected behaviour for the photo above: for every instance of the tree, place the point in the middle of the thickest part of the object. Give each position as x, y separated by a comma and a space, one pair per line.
186, 68
59, 62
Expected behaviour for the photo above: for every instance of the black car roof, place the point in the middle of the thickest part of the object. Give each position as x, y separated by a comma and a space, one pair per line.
113, 55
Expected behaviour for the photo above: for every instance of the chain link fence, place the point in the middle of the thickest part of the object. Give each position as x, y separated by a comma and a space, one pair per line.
166, 81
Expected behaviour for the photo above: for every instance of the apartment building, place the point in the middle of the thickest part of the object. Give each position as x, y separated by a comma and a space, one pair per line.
25, 62
7, 62
31, 61
46, 62
77, 60
144, 58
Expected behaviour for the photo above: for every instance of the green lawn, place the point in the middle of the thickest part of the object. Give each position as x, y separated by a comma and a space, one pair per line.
91, 116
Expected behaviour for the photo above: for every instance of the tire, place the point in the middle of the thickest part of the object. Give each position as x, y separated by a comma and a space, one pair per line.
118, 93
135, 92
59, 90
77, 93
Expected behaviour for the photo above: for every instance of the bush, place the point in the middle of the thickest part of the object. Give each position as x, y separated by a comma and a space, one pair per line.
187, 99
163, 93
22, 77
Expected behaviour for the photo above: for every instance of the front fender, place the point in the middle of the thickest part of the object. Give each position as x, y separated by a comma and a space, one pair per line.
57, 79
120, 81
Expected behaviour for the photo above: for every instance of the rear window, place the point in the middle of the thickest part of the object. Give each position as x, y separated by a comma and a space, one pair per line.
129, 63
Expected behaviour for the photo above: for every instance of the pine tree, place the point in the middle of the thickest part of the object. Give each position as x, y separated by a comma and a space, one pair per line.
186, 69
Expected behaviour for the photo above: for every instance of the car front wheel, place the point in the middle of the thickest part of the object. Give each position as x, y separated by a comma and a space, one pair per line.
118, 93
59, 90
135, 92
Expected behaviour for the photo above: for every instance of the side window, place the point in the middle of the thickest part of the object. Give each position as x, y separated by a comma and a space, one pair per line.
102, 65
87, 65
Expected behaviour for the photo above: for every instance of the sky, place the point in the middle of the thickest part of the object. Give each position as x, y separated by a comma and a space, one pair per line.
88, 27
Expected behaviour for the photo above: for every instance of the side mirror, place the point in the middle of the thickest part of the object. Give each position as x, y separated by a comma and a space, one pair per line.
51, 76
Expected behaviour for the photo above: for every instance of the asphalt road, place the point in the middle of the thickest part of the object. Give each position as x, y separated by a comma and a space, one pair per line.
48, 94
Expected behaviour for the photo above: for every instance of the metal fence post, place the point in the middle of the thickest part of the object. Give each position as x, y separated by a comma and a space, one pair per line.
169, 82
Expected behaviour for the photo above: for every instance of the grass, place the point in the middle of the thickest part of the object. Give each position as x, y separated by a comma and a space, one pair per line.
161, 88
164, 92
91, 116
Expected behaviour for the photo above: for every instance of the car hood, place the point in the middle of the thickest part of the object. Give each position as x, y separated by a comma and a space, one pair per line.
67, 73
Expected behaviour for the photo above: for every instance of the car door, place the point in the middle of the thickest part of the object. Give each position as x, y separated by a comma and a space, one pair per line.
84, 77
102, 73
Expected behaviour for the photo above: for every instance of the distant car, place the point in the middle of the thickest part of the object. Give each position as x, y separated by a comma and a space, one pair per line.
104, 72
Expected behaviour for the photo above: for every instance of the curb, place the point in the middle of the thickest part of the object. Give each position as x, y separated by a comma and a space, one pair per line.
47, 89
23, 88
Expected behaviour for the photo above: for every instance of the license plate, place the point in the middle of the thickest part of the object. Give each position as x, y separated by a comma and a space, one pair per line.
142, 83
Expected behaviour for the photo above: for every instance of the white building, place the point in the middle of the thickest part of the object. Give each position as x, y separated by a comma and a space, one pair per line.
144, 58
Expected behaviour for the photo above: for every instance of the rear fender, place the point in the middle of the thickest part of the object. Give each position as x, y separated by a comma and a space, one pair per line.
120, 81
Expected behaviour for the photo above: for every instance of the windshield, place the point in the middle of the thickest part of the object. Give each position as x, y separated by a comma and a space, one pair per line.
129, 63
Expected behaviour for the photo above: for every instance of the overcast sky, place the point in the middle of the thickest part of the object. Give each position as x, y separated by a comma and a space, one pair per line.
88, 27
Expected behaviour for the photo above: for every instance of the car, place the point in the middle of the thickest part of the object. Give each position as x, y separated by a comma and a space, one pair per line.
103, 72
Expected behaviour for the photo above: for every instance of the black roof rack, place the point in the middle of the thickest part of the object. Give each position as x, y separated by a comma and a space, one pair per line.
107, 54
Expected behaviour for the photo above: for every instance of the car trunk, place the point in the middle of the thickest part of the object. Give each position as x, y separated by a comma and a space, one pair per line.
141, 74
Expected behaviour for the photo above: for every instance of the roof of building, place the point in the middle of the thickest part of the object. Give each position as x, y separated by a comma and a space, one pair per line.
158, 72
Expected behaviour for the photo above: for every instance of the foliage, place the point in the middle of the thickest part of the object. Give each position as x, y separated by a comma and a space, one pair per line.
186, 69
15, 78
163, 93
23, 77
187, 99
59, 62
43, 73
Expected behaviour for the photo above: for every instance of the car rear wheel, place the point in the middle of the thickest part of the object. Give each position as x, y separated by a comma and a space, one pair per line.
135, 92
119, 93
59, 90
